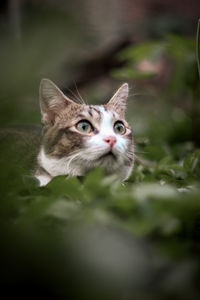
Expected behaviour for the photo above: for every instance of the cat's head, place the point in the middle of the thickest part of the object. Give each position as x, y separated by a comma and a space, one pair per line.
85, 136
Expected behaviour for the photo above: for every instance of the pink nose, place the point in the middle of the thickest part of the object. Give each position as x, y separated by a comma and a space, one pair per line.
111, 140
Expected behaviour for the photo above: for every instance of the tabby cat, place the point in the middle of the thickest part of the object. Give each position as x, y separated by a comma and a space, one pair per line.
78, 137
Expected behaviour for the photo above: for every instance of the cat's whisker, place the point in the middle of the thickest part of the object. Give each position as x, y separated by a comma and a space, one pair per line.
76, 99
141, 152
140, 94
80, 97
72, 159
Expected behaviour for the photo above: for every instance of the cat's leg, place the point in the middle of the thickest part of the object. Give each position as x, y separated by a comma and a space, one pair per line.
42, 176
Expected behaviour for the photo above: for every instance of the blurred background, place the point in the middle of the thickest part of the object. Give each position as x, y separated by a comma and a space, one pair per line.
100, 240
96, 46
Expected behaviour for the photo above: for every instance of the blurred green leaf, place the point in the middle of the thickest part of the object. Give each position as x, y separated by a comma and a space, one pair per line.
198, 46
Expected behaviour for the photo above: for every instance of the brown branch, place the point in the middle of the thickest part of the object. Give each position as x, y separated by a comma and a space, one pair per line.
99, 65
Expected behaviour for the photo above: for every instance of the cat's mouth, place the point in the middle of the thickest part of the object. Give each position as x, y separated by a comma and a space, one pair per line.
109, 154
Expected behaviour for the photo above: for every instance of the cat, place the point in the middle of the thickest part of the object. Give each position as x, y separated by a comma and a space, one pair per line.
78, 137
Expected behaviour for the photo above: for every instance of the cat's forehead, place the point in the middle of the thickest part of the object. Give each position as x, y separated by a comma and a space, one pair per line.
93, 113
98, 112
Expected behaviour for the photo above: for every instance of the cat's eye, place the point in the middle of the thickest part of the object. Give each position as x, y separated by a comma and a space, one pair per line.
119, 127
84, 126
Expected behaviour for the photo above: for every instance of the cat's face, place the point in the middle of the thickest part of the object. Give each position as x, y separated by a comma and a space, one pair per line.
79, 137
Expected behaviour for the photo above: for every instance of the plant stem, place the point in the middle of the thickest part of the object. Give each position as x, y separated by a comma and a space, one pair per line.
198, 46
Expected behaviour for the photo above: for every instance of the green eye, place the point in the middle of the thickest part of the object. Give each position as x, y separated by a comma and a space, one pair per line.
84, 126
119, 127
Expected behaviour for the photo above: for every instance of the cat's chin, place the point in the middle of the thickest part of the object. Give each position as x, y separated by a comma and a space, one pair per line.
109, 155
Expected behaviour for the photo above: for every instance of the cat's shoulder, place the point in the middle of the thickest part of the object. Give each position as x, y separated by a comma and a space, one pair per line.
19, 144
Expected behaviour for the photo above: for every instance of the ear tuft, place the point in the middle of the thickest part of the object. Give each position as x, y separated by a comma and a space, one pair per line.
52, 101
118, 101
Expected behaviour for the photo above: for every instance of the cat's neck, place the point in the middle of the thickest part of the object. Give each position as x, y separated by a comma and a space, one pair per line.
50, 167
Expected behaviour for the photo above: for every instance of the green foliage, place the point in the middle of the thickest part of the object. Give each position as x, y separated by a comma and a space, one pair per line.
158, 198
135, 54
180, 50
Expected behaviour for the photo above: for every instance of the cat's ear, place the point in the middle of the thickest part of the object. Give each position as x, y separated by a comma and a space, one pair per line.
52, 101
118, 101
